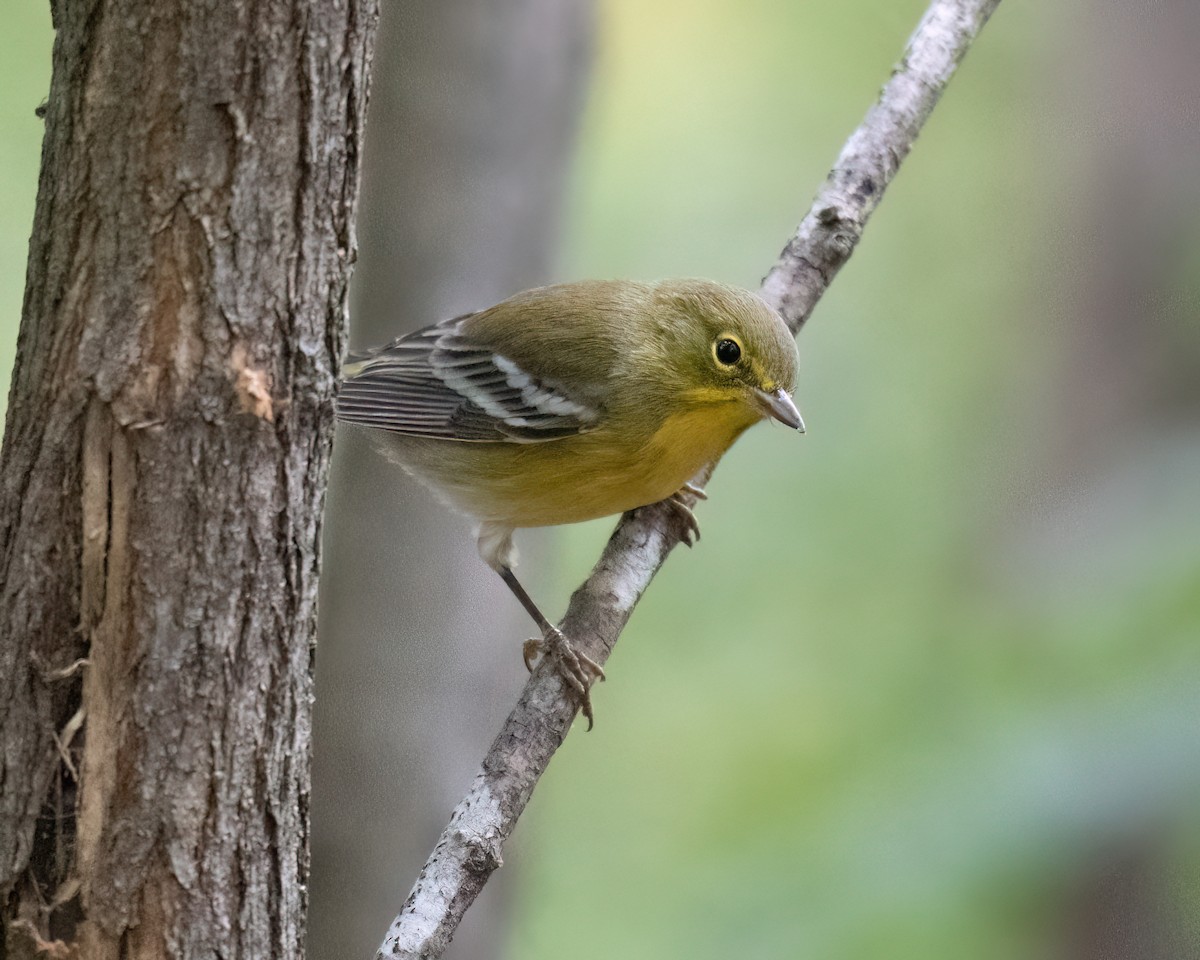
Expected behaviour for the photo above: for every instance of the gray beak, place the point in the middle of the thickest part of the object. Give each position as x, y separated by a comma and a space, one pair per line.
779, 406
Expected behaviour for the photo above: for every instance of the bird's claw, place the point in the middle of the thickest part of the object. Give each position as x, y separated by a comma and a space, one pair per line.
690, 526
530, 650
578, 670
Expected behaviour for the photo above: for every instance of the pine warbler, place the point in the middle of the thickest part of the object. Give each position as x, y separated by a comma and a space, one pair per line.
571, 402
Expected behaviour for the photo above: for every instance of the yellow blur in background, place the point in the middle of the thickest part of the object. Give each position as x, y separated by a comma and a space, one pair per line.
929, 687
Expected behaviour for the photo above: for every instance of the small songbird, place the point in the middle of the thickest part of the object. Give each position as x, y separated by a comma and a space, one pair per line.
571, 402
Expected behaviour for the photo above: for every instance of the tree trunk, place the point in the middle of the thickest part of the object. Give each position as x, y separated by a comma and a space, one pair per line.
474, 106
162, 474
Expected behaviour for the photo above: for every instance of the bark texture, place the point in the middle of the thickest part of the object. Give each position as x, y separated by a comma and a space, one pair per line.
163, 470
470, 847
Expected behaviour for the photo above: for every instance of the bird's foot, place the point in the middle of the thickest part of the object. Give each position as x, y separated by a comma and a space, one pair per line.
578, 669
690, 526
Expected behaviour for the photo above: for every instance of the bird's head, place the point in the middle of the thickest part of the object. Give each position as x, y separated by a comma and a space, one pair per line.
728, 346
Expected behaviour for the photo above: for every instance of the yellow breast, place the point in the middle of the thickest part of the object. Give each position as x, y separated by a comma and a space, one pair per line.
575, 478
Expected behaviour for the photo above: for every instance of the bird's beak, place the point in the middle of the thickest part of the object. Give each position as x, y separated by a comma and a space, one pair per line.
779, 406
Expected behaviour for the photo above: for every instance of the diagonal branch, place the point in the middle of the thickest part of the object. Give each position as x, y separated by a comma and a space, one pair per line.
469, 849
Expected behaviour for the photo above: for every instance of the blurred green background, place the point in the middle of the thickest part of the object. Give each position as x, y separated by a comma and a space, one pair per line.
930, 685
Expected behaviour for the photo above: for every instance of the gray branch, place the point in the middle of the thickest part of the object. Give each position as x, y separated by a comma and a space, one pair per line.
470, 847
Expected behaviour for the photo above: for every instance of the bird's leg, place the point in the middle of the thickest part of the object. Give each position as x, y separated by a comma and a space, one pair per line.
691, 526
578, 669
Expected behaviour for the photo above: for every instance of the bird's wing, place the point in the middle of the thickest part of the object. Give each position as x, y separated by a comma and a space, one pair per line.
438, 382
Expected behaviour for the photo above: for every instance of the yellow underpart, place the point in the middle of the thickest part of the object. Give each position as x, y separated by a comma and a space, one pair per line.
575, 478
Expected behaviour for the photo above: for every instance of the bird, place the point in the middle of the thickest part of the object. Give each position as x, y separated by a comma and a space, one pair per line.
574, 401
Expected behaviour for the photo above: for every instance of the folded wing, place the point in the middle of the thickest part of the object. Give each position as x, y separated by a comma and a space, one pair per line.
437, 383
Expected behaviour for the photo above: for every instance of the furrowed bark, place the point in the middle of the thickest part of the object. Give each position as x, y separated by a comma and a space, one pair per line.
470, 848
163, 472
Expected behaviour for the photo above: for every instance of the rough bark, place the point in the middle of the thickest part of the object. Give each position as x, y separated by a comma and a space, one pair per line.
470, 848
469, 134
163, 470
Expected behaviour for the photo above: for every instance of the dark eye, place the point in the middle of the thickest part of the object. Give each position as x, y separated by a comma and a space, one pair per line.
728, 352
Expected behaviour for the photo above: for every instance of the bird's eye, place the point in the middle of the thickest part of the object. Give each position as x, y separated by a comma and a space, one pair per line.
728, 352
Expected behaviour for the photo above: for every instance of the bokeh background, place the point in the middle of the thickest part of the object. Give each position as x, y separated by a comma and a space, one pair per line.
930, 685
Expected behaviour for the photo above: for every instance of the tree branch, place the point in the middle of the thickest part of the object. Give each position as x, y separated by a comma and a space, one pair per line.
470, 847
